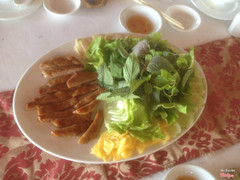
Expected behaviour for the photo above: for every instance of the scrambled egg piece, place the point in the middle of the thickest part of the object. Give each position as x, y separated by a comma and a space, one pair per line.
115, 146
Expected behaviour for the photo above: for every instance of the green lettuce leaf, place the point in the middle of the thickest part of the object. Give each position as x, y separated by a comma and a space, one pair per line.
129, 115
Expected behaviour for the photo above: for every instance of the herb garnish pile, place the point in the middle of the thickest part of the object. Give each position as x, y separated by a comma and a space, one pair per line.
145, 83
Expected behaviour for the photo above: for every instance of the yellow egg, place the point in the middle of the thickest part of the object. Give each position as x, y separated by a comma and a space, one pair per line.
115, 146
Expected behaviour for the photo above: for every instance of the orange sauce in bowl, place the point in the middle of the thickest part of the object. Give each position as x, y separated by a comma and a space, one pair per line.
139, 24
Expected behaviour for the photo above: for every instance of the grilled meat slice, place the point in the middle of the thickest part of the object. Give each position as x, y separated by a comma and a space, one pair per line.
72, 130
32, 105
68, 121
58, 80
50, 89
53, 115
80, 78
87, 108
93, 129
87, 99
59, 61
59, 106
84, 89
48, 98
55, 71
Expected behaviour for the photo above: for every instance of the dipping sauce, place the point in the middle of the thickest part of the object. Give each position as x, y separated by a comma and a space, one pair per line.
186, 178
139, 24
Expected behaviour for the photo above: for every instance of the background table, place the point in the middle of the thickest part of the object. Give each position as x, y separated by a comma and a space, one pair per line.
25, 40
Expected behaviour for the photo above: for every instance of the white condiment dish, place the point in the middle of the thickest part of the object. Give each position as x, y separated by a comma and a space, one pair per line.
188, 170
151, 14
185, 15
21, 3
61, 7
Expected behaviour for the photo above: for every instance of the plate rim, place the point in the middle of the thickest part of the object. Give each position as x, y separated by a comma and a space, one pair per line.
98, 161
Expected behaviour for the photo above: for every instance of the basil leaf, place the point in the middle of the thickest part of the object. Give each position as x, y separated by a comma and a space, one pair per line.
186, 61
122, 84
182, 63
159, 62
148, 88
104, 75
186, 77
156, 96
122, 51
156, 42
103, 96
94, 53
163, 79
116, 69
171, 57
141, 48
137, 83
131, 68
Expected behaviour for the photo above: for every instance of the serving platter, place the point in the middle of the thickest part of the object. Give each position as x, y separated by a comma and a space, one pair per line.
67, 147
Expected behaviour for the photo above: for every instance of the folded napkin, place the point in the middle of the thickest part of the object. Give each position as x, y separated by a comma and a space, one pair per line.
217, 128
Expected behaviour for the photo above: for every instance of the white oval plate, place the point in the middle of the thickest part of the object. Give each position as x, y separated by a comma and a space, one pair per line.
185, 15
214, 13
189, 170
40, 133
61, 7
145, 11
9, 11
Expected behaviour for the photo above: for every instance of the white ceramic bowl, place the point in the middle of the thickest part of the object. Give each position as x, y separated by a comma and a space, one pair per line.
61, 7
186, 15
151, 14
189, 170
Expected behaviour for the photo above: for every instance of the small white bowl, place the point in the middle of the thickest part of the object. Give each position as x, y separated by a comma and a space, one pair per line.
61, 7
149, 13
185, 15
189, 171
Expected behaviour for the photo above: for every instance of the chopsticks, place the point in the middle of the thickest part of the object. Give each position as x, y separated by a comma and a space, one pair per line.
164, 15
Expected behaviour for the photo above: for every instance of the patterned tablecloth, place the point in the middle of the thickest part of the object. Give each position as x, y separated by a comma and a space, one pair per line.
218, 128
